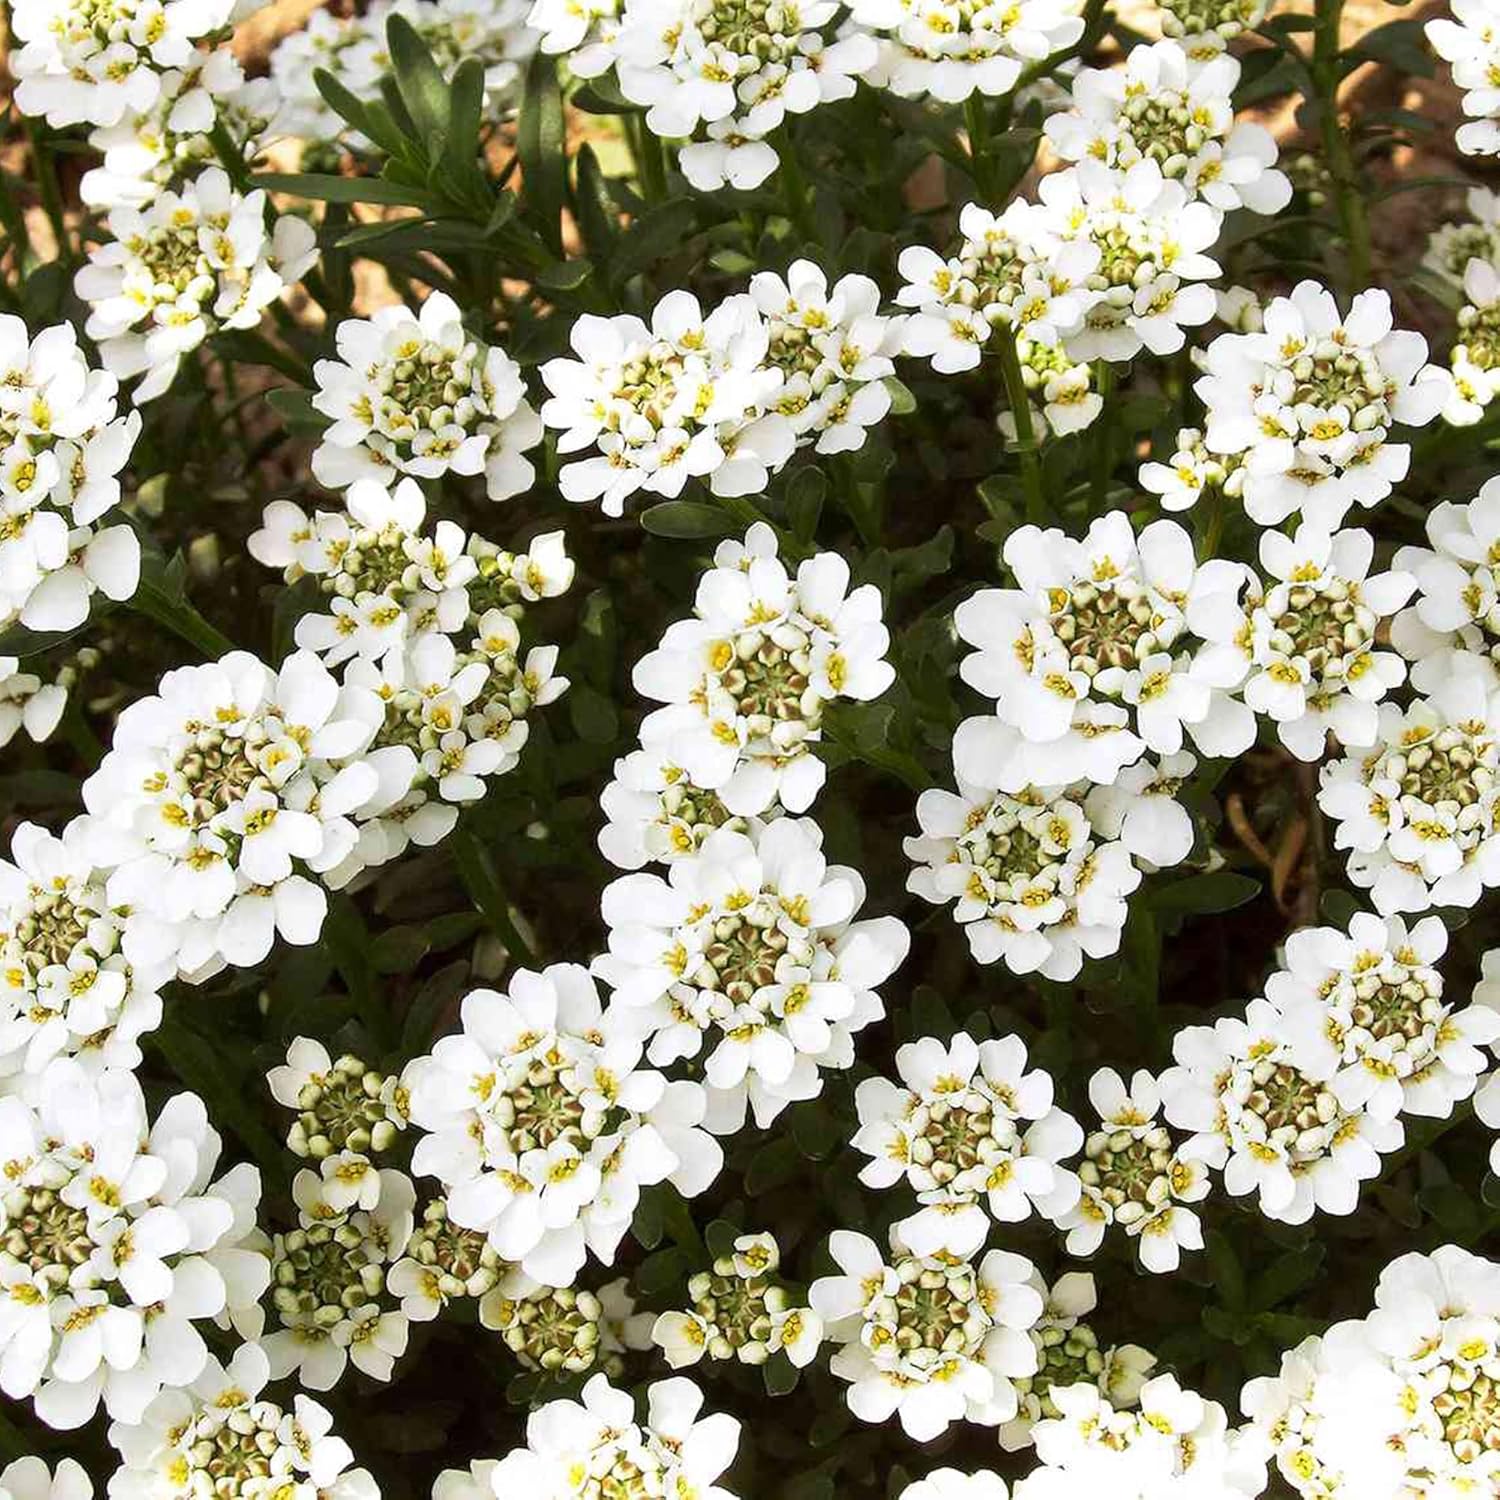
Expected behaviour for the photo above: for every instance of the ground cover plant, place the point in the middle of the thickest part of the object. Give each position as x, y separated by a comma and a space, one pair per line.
749, 749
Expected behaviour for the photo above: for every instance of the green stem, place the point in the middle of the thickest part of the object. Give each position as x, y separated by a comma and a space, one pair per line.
1348, 197
977, 127
482, 881
650, 161
45, 170
178, 616
1026, 444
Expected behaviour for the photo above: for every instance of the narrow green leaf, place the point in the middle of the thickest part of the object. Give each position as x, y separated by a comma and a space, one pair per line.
687, 520
330, 188
424, 91
598, 218
540, 143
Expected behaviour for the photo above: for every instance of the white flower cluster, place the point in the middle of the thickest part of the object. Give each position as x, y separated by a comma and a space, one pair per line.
1401, 1402
729, 71
1453, 626
1471, 42
1177, 1446
744, 682
217, 792
353, 48
1109, 261
182, 268
1310, 401
341, 1105
217, 1434
748, 955
1134, 1176
414, 394
115, 1244
66, 987
1099, 653
834, 349
741, 1311
79, 61
952, 49
542, 1125
1309, 637
328, 1275
207, 100
976, 1136
683, 397
1039, 874
429, 626
1068, 1354
1266, 1112
62, 447
597, 1441
1166, 104
1415, 807
929, 1340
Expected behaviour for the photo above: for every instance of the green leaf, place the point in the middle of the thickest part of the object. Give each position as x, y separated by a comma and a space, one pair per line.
423, 89
653, 235
903, 403
1398, 44
329, 188
1229, 1276
775, 1163
598, 218
461, 156
295, 408
398, 950
687, 520
780, 1375
593, 715
1220, 891
804, 501
541, 145
565, 275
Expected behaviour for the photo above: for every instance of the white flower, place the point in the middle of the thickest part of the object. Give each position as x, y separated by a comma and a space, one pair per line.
29, 1479
1140, 808
219, 1432
1487, 1097
27, 703
1310, 402
584, 29
1450, 247
1134, 1176
62, 448
746, 677
1454, 623
1475, 356
1035, 884
1471, 43
710, 64
685, 397
833, 347
145, 153
1068, 1353
1101, 621
1149, 283
1191, 471
1178, 1446
1366, 1011
975, 1135
674, 1451
413, 393
353, 1221
740, 1310
339, 1105
116, 1244
1165, 105
191, 263
954, 48
953, 1484
1266, 1114
78, 63
928, 1340
66, 987
1010, 271
655, 813
1392, 1405
1315, 669
217, 792
747, 957
1416, 807
543, 1126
